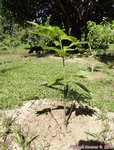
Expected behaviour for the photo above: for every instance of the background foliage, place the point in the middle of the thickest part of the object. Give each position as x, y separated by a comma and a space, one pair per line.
81, 19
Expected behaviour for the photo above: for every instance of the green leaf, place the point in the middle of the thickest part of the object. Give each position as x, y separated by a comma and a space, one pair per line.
19, 138
83, 87
56, 43
73, 39
53, 85
56, 82
92, 134
52, 33
77, 43
65, 37
83, 73
60, 52
66, 48
33, 23
72, 44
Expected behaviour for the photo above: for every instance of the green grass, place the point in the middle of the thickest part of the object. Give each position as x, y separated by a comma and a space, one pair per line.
22, 48
20, 80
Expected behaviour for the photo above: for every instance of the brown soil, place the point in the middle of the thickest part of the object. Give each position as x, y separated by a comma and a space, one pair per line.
44, 120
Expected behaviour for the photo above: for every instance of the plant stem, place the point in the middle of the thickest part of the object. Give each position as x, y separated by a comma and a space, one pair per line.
65, 88
65, 120
55, 119
65, 95
63, 62
92, 65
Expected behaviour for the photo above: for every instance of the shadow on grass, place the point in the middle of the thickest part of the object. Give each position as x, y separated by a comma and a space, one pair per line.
9, 69
4, 62
91, 145
38, 51
106, 58
70, 93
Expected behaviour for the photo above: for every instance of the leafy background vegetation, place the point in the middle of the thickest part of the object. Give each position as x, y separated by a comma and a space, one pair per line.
72, 16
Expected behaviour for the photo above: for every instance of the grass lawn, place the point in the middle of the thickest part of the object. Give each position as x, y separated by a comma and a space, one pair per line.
21, 78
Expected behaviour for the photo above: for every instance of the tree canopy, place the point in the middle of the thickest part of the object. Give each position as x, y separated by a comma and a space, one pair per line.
72, 15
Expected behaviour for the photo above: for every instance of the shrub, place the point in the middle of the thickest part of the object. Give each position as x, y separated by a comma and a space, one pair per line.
100, 35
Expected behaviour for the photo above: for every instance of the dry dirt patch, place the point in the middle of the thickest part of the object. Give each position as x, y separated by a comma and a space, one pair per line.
44, 118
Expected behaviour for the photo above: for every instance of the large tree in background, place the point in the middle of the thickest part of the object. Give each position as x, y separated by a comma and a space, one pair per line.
72, 15
27, 10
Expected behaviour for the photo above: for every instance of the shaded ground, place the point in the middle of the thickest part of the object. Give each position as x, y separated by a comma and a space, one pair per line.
44, 120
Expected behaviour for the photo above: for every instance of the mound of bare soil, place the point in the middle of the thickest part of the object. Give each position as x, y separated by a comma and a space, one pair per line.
43, 119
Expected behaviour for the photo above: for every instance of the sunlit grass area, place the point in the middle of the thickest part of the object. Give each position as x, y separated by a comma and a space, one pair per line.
21, 78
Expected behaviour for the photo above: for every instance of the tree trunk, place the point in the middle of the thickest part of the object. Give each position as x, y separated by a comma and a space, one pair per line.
72, 28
